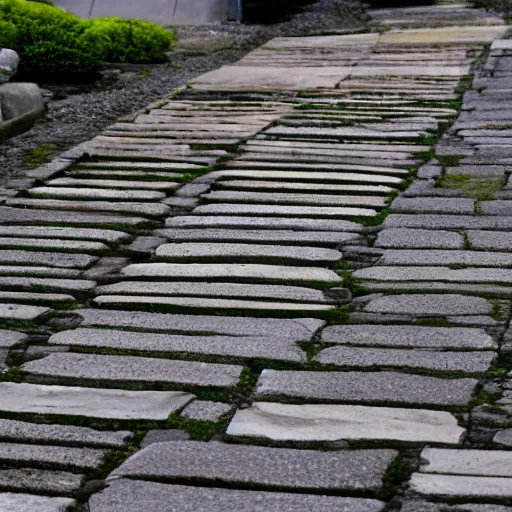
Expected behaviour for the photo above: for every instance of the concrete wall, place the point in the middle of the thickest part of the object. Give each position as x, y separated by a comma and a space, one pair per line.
164, 12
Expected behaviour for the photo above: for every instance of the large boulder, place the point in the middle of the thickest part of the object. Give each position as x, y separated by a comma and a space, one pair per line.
9, 61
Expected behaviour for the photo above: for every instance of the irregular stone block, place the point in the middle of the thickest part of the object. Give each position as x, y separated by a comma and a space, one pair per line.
23, 502
207, 411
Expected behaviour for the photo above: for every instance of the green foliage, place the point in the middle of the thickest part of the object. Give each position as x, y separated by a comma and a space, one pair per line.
54, 42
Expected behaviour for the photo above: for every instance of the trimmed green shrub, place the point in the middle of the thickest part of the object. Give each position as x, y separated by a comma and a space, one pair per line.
54, 42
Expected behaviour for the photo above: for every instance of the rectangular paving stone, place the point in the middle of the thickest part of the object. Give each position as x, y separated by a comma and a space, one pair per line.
13, 502
365, 387
103, 235
40, 299
262, 467
467, 462
429, 305
49, 259
206, 289
498, 207
245, 252
95, 194
402, 238
383, 358
41, 481
299, 328
444, 35
286, 211
461, 487
440, 257
269, 223
284, 349
445, 274
331, 423
37, 283
38, 271
16, 431
260, 235
124, 495
91, 402
409, 336
248, 272
427, 506
115, 184
21, 312
53, 245
9, 339
56, 456
135, 369
448, 222
434, 205
344, 133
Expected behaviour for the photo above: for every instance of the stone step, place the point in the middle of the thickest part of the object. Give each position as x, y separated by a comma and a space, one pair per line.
16, 312
229, 306
95, 194
433, 205
40, 284
269, 236
345, 133
41, 299
260, 467
294, 199
91, 402
298, 186
285, 211
409, 336
115, 184
38, 271
150, 209
311, 176
403, 238
57, 260
53, 245
385, 358
247, 272
66, 435
126, 495
51, 456
267, 223
21, 502
142, 166
144, 176
9, 339
489, 241
41, 481
218, 290
232, 347
103, 235
365, 388
196, 252
332, 423
119, 369
300, 328
449, 222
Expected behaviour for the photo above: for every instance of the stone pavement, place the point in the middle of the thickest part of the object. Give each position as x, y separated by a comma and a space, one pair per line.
285, 287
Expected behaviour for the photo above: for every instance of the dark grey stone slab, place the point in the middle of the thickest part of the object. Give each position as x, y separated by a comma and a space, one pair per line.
433, 205
40, 481
302, 328
56, 456
16, 431
448, 222
272, 347
134, 369
125, 495
49, 259
91, 402
365, 388
269, 468
409, 336
429, 305
419, 239
357, 357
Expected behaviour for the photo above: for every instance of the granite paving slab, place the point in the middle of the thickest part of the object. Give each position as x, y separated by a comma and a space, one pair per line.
207, 411
424, 506
450, 35
53, 245
119, 184
94, 194
49, 259
419, 239
37, 283
300, 328
12, 502
245, 252
9, 339
41, 481
382, 358
434, 205
41, 299
16, 431
429, 305
408, 336
103, 235
260, 467
22, 312
247, 272
38, 271
321, 423
364, 387
125, 495
91, 402
283, 349
117, 369
448, 222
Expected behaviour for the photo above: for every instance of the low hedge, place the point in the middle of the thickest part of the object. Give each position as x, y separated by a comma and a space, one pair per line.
51, 41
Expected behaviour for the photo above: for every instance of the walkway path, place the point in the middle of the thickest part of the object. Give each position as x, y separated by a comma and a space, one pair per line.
303, 259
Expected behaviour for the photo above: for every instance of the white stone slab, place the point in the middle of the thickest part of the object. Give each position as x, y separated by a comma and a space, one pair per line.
21, 312
285, 422
91, 402
11, 502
